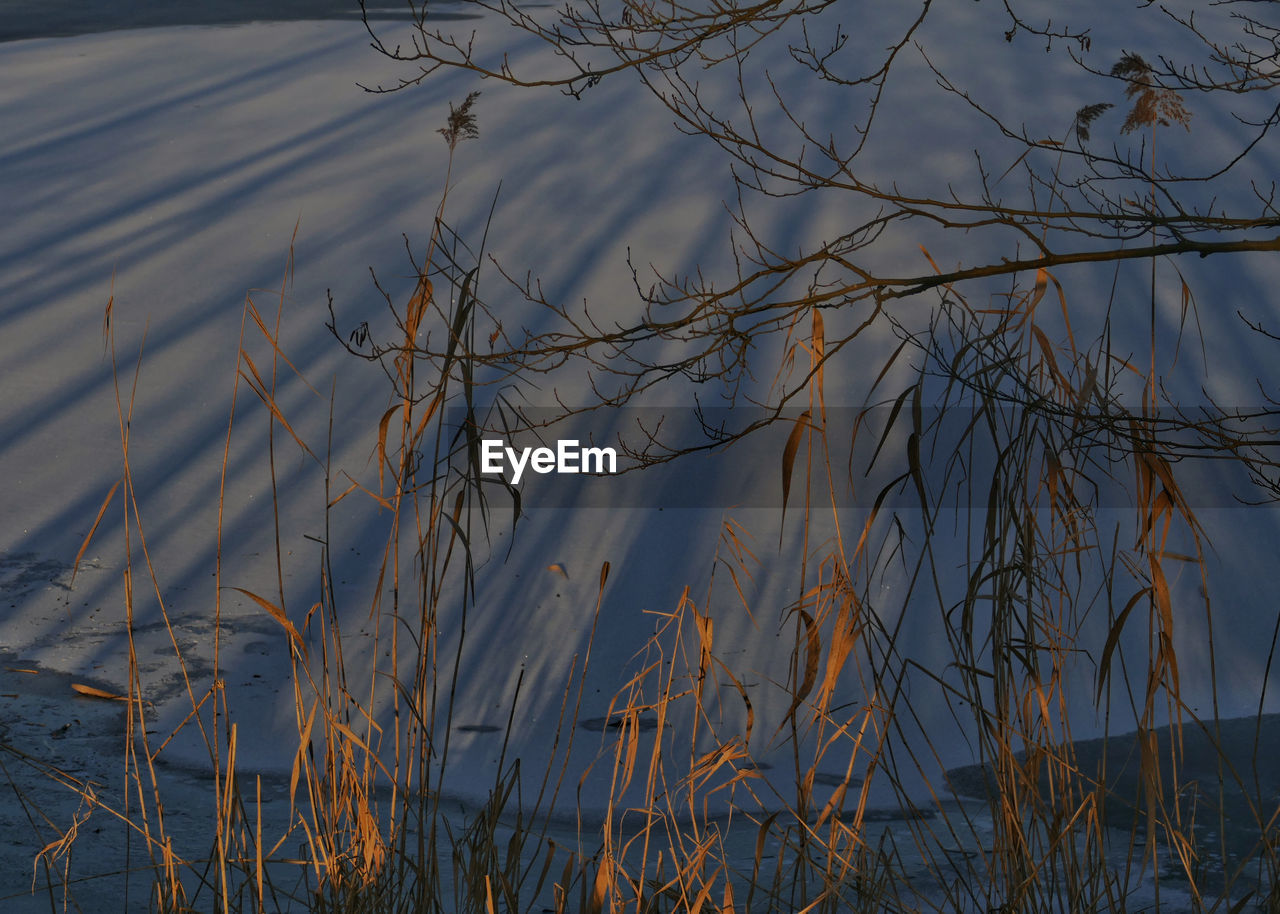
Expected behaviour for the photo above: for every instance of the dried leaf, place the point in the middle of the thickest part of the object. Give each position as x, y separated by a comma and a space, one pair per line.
1113, 638
1047, 349
384, 459
789, 457
278, 614
913, 463
93, 692
1042, 284
812, 657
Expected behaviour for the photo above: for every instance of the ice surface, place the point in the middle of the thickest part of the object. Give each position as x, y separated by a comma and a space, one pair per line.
172, 170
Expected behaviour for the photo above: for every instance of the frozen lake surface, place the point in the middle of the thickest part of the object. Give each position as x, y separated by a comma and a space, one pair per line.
21, 19
171, 170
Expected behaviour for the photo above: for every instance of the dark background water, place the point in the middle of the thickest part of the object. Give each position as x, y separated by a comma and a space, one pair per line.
21, 19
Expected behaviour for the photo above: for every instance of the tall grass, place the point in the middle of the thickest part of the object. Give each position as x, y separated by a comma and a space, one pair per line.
692, 822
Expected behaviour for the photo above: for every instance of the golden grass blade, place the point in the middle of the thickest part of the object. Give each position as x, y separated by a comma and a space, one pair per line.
278, 614
423, 295
701, 899
746, 701
304, 747
819, 360
834, 804
726, 907
1160, 592
275, 345
603, 884
427, 414
349, 734
259, 869
630, 732
929, 257
844, 637
1037, 293
106, 502
382, 501
1066, 316
260, 389
706, 633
